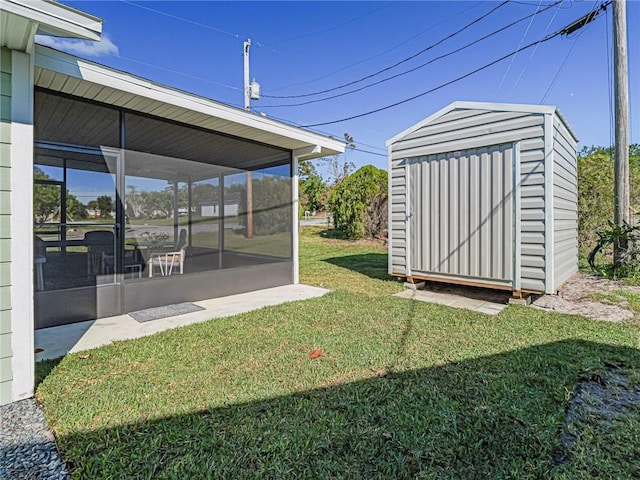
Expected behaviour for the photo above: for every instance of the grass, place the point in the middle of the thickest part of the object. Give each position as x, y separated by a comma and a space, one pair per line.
624, 298
403, 389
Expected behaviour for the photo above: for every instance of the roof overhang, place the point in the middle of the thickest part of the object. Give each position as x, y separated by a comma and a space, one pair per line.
21, 20
75, 76
499, 107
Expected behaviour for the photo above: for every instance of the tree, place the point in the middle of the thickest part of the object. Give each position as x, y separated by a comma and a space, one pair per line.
339, 165
596, 191
104, 203
359, 203
312, 188
47, 201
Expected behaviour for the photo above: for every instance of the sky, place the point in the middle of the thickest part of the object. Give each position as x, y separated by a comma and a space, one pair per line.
302, 48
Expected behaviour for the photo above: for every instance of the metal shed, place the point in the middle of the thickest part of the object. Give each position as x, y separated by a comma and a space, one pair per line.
485, 194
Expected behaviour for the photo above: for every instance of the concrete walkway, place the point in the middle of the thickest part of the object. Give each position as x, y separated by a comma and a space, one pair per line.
489, 305
58, 341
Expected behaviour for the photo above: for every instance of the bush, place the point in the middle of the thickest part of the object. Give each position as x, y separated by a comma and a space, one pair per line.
596, 190
358, 204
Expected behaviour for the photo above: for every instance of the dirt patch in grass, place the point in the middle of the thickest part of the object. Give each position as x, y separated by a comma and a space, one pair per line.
599, 401
579, 296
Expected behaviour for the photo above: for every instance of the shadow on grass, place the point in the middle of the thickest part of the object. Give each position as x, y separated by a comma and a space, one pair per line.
43, 368
500, 416
373, 265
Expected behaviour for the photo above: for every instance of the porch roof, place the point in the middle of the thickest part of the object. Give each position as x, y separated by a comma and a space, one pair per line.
75, 76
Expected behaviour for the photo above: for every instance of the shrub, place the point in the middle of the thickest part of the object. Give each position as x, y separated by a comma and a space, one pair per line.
358, 204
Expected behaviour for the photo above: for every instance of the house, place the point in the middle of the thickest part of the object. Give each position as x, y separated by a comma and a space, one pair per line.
141, 147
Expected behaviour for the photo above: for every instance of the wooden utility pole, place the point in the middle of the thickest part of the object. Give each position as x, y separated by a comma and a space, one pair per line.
621, 102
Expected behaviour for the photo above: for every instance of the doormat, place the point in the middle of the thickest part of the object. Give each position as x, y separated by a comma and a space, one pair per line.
157, 313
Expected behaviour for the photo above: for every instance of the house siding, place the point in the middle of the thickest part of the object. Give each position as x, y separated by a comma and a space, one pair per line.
463, 129
6, 353
565, 203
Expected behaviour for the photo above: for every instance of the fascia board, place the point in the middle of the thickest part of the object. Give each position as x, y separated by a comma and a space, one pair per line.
56, 19
56, 61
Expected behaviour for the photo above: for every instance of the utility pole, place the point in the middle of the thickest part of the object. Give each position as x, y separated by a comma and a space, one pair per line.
247, 105
621, 113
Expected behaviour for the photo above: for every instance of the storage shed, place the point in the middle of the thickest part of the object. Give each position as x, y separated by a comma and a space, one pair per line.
485, 194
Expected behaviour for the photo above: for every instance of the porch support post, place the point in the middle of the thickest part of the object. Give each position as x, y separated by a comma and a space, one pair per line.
297, 156
22, 294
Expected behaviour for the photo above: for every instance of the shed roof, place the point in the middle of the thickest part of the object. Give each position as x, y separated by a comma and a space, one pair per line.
500, 107
82, 78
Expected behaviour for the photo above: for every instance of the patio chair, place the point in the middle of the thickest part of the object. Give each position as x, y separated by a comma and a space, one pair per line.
100, 252
39, 259
167, 261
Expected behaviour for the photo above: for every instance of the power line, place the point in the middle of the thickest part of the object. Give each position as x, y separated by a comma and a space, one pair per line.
371, 153
313, 34
555, 14
455, 80
397, 63
192, 22
585, 20
353, 64
513, 59
175, 71
440, 57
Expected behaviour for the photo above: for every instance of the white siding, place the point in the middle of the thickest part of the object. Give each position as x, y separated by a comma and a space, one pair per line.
6, 353
462, 129
565, 204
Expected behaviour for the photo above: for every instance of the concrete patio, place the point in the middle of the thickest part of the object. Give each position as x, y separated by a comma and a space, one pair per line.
56, 342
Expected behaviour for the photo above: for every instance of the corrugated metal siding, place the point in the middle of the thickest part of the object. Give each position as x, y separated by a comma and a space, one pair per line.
397, 227
6, 354
462, 213
565, 204
463, 129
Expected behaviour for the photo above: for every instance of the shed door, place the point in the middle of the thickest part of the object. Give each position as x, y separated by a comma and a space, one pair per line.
461, 215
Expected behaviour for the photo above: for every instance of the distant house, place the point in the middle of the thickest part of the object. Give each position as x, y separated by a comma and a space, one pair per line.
69, 115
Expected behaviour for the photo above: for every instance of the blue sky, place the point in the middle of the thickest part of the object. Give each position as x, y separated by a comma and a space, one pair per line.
305, 47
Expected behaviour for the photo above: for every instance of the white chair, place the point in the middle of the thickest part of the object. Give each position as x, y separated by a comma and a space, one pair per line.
166, 261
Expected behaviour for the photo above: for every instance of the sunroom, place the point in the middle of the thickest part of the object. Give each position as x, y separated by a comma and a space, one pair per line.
146, 196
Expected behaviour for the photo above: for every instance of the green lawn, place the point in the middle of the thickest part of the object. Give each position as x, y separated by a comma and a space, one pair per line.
403, 390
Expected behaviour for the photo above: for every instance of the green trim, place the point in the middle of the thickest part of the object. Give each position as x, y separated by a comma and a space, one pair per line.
5, 392
5, 84
5, 179
5, 60
5, 346
5, 226
5, 274
6, 370
5, 297
5, 131
5, 321
5, 155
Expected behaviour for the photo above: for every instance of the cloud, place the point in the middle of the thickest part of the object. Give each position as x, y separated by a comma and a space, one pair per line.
81, 47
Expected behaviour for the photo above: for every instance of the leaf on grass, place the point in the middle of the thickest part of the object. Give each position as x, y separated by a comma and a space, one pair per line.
83, 356
315, 354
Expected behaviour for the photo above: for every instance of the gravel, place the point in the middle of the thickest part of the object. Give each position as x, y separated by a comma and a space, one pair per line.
27, 447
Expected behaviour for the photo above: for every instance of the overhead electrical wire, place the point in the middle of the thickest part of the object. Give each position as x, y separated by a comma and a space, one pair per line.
515, 84
564, 62
433, 60
395, 47
562, 31
426, 49
192, 22
331, 29
513, 59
